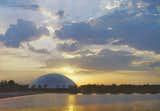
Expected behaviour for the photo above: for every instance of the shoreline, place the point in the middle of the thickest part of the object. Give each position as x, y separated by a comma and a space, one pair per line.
4, 95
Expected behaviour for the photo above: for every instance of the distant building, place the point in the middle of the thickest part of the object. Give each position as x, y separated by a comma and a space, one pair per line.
52, 81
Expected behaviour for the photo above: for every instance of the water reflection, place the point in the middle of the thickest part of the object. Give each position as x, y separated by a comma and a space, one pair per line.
65, 102
71, 103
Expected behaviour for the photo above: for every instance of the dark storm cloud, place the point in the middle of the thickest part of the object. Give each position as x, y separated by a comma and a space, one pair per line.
25, 4
138, 28
22, 31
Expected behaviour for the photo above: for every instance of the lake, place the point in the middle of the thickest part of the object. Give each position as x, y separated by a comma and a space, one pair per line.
94, 102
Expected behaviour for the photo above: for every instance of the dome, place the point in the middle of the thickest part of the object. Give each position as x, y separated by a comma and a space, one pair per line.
53, 81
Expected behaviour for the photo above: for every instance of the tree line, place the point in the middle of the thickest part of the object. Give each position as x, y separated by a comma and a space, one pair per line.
11, 85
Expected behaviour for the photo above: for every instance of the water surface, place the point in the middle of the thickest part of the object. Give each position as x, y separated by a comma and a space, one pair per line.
67, 102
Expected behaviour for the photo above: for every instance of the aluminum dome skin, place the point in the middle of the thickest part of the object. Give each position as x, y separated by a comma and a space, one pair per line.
53, 81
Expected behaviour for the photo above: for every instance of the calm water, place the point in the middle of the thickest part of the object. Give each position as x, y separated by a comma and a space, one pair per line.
66, 102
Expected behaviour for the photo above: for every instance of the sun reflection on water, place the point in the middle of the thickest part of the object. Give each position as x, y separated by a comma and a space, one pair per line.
71, 108
71, 103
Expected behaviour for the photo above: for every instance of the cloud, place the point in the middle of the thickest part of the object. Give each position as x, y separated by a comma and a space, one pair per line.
20, 32
135, 27
29, 4
104, 61
132, 28
112, 56
40, 51
156, 65
112, 4
142, 58
61, 13
83, 32
68, 47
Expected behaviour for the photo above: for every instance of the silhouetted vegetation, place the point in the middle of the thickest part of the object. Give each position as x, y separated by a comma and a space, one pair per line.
85, 89
115, 89
11, 85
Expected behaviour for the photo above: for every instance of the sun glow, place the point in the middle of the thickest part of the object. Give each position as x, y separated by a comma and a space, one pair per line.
63, 69
68, 69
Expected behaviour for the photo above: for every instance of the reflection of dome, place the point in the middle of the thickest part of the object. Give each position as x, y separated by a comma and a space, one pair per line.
53, 81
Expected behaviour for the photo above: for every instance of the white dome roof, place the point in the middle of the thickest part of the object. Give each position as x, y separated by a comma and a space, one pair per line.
53, 81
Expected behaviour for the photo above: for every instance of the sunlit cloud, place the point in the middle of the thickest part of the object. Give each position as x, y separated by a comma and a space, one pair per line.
70, 56
48, 13
66, 69
112, 4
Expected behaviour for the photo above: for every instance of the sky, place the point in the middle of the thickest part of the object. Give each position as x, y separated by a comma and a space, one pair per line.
89, 41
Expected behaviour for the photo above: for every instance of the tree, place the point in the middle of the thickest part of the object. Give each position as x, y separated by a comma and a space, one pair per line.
11, 83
